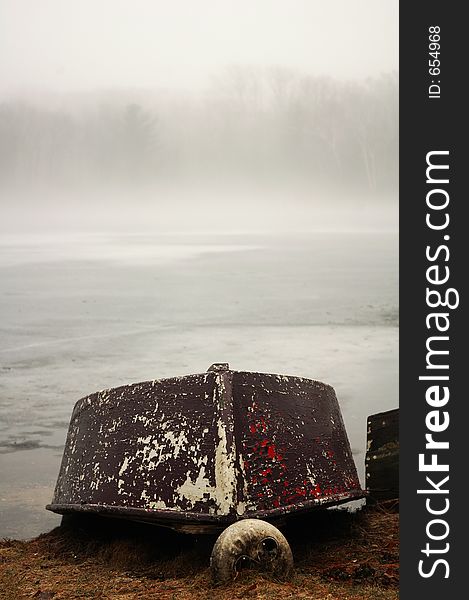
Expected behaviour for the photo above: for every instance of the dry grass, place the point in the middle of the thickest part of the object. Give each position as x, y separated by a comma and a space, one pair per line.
338, 556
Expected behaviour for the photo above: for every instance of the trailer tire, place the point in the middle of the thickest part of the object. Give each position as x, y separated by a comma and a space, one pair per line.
251, 543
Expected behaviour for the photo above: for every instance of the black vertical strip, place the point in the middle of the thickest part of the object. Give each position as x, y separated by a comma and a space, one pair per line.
433, 124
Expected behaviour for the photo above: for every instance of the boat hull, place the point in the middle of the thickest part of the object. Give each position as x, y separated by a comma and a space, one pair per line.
206, 450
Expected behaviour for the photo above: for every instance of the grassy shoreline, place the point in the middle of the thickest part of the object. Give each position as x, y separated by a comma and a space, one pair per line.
338, 556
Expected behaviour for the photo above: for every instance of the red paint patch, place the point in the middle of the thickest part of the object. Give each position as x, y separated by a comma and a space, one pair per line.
272, 453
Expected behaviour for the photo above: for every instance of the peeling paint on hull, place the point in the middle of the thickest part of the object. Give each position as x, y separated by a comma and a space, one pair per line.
208, 448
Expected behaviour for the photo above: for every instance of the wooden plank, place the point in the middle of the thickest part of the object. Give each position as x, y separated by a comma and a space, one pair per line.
382, 456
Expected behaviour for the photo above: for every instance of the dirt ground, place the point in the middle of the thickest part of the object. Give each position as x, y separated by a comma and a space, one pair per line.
338, 556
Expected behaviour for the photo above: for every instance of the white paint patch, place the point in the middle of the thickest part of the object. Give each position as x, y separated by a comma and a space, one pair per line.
124, 466
160, 505
225, 469
194, 491
311, 474
225, 472
178, 442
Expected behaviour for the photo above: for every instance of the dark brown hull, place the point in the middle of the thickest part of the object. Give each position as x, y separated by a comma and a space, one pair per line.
206, 450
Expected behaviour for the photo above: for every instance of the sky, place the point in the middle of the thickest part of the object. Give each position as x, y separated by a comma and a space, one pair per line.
83, 45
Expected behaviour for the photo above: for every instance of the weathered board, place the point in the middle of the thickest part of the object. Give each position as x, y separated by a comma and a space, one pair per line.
207, 448
382, 456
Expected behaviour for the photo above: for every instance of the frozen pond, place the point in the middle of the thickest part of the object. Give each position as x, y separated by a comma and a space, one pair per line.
85, 312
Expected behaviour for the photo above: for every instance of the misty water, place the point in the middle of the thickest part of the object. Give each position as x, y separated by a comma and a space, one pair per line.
91, 311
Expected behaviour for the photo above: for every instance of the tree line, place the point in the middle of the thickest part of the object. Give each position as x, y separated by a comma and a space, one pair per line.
248, 123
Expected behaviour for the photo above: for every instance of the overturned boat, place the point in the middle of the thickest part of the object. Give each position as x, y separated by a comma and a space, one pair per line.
200, 452
207, 449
